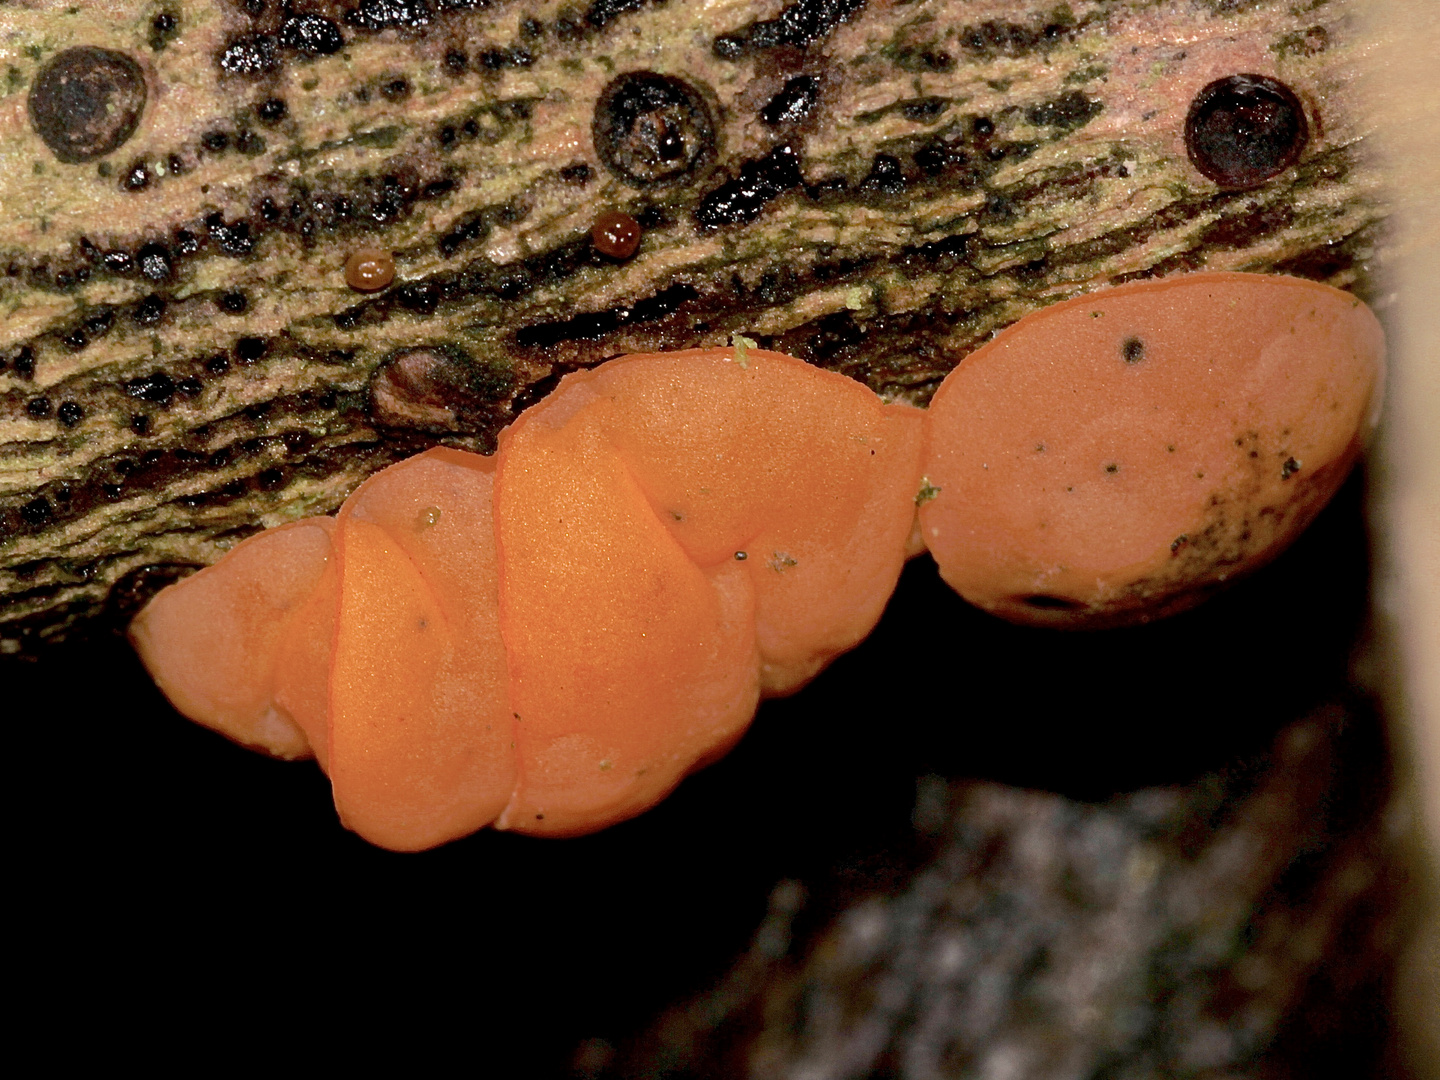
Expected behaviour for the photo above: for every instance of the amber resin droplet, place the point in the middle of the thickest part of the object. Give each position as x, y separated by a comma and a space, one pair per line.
615, 234
369, 270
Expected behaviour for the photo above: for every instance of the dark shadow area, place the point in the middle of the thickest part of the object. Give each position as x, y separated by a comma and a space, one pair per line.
149, 847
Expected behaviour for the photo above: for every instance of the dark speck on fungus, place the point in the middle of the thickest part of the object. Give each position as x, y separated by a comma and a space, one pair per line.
1244, 129
1133, 350
1042, 602
69, 413
86, 102
1289, 469
651, 128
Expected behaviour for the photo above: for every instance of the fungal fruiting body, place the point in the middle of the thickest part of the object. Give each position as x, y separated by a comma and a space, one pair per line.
549, 640
1119, 456
369, 270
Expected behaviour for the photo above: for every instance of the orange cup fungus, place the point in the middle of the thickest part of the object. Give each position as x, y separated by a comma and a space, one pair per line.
548, 640
1119, 456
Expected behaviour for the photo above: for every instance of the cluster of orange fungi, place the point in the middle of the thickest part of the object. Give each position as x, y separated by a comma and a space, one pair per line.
549, 639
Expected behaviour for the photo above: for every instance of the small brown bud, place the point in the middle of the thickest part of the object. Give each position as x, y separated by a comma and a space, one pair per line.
615, 234
369, 270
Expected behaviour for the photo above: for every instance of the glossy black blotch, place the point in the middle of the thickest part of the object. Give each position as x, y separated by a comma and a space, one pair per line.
793, 103
740, 201
313, 35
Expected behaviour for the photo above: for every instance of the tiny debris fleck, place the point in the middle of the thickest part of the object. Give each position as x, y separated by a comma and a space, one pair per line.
1289, 469
741, 556
742, 346
781, 562
927, 491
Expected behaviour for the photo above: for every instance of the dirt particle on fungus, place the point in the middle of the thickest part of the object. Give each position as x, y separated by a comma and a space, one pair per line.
1112, 468
1180, 542
782, 561
1289, 469
741, 556
927, 491
1133, 350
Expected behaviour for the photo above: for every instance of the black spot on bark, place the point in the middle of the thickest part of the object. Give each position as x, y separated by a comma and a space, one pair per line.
157, 388
271, 110
388, 14
251, 56
793, 103
1068, 112
592, 326
740, 201
1243, 130
86, 102
651, 128
313, 35
149, 311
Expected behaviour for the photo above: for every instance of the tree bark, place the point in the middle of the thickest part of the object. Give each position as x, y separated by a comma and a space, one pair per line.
875, 187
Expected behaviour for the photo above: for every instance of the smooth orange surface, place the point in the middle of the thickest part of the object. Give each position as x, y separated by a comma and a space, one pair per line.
1081, 487
420, 718
211, 641
552, 638
302, 667
623, 499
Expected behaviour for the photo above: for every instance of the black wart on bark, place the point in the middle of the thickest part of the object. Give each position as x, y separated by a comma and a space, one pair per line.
1243, 130
651, 129
86, 102
800, 24
740, 201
